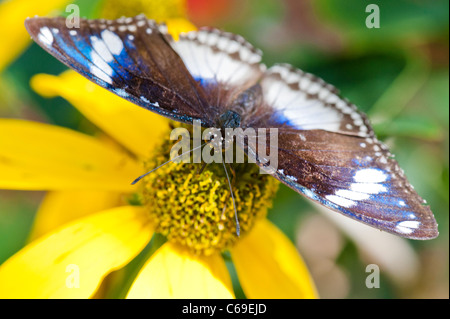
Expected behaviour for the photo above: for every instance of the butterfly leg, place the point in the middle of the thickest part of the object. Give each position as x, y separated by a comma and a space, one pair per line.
233, 172
165, 163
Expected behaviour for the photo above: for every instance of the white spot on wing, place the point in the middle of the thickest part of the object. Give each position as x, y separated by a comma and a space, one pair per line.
98, 61
112, 41
121, 92
368, 188
407, 227
101, 49
100, 74
310, 194
45, 36
370, 175
163, 28
352, 195
292, 178
344, 202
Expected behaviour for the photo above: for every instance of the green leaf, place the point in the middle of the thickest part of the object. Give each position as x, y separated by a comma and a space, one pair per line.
416, 127
400, 20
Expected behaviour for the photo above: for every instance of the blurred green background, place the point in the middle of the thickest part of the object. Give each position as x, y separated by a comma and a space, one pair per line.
397, 74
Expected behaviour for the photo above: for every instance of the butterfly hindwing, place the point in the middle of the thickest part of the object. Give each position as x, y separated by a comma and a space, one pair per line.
224, 64
131, 57
327, 151
301, 101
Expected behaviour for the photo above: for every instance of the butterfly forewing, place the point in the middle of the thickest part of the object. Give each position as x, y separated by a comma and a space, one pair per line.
131, 57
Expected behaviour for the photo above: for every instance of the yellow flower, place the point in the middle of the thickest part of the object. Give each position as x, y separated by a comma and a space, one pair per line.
90, 178
14, 12
90, 225
172, 12
12, 31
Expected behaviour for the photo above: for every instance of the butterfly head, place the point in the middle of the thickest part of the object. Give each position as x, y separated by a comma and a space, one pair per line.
230, 119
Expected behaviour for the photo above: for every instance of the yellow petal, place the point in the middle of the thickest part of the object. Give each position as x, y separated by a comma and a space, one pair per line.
137, 129
36, 156
172, 272
154, 9
171, 12
13, 35
61, 207
176, 26
71, 262
269, 266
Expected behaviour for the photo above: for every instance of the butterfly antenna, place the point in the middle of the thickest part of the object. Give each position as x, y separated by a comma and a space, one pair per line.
171, 160
199, 171
238, 228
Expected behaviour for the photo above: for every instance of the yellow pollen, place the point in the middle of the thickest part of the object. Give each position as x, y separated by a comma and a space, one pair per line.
196, 210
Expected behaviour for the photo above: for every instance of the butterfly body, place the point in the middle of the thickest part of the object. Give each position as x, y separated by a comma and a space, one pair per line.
327, 148
230, 119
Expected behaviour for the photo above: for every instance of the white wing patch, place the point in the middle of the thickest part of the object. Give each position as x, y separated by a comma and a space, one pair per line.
341, 201
101, 49
307, 102
221, 57
408, 226
112, 41
46, 36
370, 175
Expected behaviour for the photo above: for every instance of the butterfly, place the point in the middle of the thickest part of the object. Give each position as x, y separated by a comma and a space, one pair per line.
327, 149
